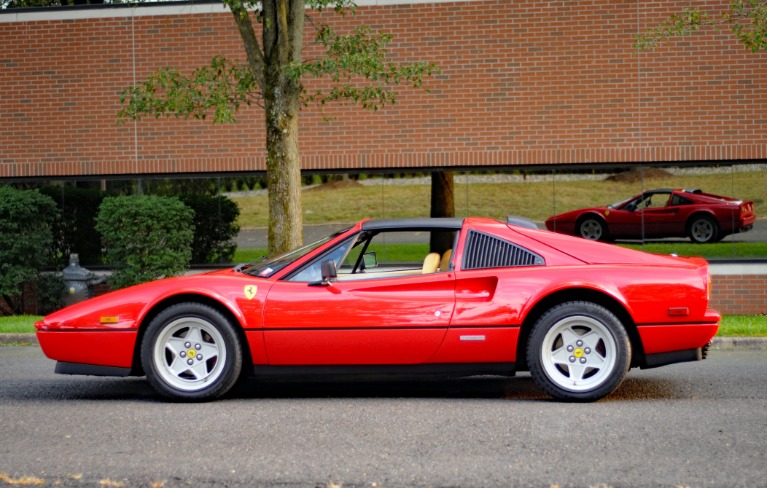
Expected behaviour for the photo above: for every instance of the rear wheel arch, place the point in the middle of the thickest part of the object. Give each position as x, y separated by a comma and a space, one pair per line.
137, 369
578, 295
702, 215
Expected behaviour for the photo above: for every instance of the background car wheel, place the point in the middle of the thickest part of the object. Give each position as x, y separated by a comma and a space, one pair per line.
592, 228
578, 351
191, 352
703, 229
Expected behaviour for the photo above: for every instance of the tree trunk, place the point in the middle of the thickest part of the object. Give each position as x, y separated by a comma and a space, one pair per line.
283, 170
442, 205
283, 35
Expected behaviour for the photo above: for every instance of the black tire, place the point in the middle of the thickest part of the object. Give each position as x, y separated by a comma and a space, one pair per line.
703, 229
191, 352
578, 351
592, 228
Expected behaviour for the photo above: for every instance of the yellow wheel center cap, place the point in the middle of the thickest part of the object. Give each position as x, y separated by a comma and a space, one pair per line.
191, 353
578, 352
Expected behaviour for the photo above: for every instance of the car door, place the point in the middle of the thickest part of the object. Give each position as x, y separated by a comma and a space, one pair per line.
657, 217
380, 321
646, 216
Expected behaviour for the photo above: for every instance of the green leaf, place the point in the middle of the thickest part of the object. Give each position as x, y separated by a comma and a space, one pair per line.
746, 19
359, 69
220, 88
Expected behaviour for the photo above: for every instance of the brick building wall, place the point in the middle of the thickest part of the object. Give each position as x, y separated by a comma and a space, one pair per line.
521, 83
739, 294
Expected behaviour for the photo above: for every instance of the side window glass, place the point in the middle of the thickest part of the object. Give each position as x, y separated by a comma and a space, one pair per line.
375, 255
399, 253
313, 272
679, 200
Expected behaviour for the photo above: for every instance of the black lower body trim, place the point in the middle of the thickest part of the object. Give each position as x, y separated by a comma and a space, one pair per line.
90, 369
418, 371
664, 358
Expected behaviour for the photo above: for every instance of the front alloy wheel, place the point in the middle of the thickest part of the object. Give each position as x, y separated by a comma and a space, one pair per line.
191, 352
593, 229
578, 351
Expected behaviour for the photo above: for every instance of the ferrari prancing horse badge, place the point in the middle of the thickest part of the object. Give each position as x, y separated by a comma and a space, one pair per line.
250, 291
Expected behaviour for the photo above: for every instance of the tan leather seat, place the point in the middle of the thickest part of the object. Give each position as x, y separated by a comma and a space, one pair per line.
430, 263
444, 263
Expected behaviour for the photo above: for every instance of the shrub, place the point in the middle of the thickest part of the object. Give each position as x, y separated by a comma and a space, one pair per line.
74, 231
145, 237
215, 228
25, 241
49, 290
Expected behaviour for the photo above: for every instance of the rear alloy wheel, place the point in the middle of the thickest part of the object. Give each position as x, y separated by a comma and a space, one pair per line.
191, 352
593, 229
578, 351
703, 229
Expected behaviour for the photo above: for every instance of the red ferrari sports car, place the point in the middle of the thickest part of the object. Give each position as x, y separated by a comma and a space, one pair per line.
483, 298
702, 217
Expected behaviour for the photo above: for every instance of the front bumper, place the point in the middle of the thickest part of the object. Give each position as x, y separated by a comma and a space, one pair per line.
99, 348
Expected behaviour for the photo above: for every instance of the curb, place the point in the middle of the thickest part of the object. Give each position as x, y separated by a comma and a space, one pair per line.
739, 344
718, 344
18, 340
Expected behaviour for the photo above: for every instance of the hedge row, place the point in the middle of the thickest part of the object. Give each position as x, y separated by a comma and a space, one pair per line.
140, 237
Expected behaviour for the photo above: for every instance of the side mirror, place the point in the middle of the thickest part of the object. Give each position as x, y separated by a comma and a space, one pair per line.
369, 260
329, 271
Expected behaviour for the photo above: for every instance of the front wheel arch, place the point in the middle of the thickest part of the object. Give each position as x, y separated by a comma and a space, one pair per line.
604, 233
138, 370
579, 295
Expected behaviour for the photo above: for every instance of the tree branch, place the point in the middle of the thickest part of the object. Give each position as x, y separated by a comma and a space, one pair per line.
221, 87
284, 36
747, 19
359, 69
253, 52
297, 18
269, 28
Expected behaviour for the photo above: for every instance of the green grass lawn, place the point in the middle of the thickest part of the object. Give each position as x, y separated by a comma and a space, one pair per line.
18, 324
720, 250
732, 325
743, 326
535, 200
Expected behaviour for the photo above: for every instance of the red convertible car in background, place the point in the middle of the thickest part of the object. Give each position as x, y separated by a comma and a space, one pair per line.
702, 217
485, 298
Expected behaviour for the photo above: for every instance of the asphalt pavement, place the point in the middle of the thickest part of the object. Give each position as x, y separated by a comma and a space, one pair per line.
697, 424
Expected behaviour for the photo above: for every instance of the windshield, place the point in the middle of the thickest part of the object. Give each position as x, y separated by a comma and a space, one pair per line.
268, 267
619, 204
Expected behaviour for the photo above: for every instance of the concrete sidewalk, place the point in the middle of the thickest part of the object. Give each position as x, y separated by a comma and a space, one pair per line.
720, 343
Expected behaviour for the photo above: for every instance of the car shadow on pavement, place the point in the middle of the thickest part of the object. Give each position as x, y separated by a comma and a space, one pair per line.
519, 388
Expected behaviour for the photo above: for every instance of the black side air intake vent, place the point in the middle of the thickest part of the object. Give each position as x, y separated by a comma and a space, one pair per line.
486, 251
